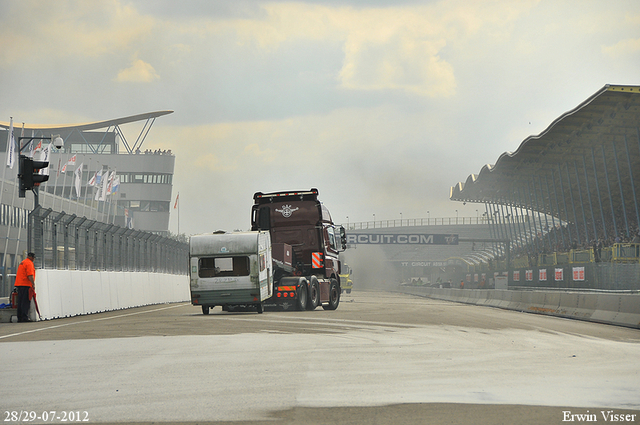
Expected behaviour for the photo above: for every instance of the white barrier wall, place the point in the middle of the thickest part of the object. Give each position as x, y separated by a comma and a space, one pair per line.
611, 308
65, 293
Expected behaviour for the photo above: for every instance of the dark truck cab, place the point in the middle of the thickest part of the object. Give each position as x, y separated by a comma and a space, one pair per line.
311, 275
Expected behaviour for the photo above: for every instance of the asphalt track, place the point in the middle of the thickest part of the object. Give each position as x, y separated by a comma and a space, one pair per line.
381, 358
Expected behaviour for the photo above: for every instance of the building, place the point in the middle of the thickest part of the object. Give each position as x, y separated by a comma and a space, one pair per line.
141, 200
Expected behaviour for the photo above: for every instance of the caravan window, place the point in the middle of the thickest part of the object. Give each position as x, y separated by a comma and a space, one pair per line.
223, 266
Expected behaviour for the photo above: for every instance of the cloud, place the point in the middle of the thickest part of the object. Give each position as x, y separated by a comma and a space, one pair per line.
623, 49
138, 72
399, 63
267, 155
62, 29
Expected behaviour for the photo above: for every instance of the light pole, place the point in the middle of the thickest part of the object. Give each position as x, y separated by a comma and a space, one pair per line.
400, 219
456, 216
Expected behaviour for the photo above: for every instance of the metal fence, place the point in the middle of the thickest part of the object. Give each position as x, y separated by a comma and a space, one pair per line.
67, 241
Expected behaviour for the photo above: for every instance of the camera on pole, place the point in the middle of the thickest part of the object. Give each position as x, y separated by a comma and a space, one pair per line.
29, 174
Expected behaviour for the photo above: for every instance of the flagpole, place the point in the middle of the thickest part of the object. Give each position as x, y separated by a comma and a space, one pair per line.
86, 189
16, 183
177, 205
10, 145
4, 169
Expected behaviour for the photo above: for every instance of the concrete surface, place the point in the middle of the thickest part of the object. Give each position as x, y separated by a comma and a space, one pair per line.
378, 357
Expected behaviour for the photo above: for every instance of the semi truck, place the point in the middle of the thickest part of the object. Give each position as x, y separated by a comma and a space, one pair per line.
303, 246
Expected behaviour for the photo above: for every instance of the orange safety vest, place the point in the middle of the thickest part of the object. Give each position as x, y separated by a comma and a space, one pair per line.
26, 268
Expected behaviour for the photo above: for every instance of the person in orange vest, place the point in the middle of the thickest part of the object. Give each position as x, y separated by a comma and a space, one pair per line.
25, 280
462, 284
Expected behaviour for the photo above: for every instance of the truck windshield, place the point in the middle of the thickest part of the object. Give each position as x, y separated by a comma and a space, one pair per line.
223, 266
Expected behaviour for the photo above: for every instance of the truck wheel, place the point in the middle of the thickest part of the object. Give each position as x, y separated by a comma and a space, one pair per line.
334, 296
205, 309
259, 308
302, 297
314, 294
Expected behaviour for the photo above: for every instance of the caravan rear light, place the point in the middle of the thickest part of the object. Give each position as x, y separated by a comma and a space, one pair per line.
292, 295
279, 294
286, 294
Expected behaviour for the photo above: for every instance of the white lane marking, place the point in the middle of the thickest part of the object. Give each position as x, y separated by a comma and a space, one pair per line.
91, 320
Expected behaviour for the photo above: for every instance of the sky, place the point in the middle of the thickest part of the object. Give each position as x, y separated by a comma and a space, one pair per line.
381, 105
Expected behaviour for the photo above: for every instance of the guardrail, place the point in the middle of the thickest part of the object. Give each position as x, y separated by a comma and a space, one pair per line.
622, 309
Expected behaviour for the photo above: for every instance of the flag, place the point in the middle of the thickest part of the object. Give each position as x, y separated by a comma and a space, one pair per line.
115, 186
100, 183
95, 180
92, 180
112, 180
72, 161
176, 204
78, 174
106, 181
45, 157
64, 168
11, 146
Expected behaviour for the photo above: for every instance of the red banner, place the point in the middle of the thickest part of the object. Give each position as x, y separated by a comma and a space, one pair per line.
559, 274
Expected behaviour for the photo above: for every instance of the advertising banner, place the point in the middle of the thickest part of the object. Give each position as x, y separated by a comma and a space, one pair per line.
402, 239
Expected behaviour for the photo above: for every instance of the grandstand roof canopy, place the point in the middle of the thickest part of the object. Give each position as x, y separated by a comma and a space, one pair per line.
92, 125
588, 156
65, 130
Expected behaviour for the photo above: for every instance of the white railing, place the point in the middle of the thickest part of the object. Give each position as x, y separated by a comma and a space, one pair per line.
414, 222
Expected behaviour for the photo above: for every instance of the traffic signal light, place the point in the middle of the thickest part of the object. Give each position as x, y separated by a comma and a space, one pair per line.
28, 174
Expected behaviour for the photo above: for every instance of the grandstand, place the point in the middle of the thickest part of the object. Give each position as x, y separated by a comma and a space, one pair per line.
568, 198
